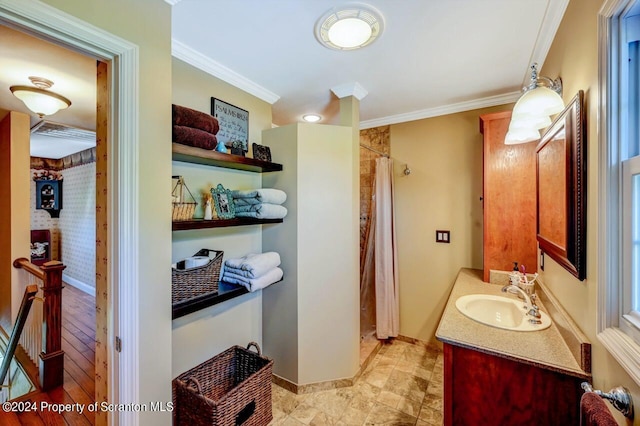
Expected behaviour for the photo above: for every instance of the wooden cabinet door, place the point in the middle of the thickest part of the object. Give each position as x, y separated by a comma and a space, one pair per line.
509, 196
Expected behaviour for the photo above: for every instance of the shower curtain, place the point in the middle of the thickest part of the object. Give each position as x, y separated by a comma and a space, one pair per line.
379, 275
385, 253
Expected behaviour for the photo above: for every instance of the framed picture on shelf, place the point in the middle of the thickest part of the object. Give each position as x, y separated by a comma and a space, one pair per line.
223, 202
261, 152
234, 124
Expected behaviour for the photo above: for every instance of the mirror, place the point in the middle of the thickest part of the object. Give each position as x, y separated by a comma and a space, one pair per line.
561, 189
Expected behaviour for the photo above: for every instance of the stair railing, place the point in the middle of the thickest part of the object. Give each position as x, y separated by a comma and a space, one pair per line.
51, 362
25, 306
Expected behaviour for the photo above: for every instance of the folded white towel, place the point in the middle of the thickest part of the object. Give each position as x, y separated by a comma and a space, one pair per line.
254, 264
257, 196
253, 284
262, 211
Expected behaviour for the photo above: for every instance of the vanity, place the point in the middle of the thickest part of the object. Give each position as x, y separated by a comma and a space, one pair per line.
494, 376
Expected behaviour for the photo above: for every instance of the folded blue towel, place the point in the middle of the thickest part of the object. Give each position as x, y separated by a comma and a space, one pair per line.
254, 265
263, 211
257, 196
253, 284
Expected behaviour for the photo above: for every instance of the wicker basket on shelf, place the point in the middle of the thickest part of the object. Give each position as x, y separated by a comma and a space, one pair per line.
232, 388
182, 210
190, 283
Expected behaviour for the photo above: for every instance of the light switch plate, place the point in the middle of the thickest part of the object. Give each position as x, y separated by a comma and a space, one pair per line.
443, 236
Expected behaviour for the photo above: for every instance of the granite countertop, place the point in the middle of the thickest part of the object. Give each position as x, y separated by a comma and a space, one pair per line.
545, 349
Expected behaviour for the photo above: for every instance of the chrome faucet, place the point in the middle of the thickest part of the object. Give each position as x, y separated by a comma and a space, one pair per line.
530, 304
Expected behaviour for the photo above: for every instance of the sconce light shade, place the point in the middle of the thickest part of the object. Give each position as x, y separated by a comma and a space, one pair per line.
540, 100
523, 135
38, 99
529, 121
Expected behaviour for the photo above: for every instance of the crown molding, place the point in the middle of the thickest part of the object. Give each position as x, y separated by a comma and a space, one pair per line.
193, 57
350, 89
442, 110
173, 2
548, 29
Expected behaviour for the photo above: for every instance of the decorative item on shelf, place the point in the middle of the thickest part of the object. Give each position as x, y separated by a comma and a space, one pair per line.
234, 123
223, 201
220, 147
261, 152
196, 276
49, 196
182, 210
236, 147
207, 199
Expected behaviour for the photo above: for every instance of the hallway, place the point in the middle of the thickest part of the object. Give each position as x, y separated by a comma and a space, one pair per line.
78, 343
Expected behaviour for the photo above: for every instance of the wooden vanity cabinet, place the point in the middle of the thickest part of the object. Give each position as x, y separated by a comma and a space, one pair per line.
482, 389
509, 198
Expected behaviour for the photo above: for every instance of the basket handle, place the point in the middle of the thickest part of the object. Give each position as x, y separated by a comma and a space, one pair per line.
195, 382
206, 252
256, 346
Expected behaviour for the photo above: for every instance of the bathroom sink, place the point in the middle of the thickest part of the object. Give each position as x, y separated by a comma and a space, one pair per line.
500, 312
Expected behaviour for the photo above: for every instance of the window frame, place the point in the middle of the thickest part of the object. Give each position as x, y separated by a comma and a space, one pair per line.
615, 328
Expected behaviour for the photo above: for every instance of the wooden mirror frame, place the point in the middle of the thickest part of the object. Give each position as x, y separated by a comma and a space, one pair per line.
572, 256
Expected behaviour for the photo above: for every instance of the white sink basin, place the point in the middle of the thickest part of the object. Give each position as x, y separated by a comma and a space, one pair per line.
500, 312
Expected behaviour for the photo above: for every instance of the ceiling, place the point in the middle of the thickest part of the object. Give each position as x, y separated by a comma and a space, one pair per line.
434, 57
73, 74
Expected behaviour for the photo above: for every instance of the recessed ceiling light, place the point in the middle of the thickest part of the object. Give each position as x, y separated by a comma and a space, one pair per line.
350, 27
311, 118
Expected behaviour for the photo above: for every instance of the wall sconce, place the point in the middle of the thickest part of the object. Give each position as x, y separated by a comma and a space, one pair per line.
39, 99
541, 99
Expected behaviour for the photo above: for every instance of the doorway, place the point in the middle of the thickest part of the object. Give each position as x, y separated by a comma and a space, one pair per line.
114, 300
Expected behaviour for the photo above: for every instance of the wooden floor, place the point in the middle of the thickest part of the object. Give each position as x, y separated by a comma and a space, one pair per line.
78, 343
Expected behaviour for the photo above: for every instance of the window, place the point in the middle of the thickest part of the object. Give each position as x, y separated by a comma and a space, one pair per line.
619, 257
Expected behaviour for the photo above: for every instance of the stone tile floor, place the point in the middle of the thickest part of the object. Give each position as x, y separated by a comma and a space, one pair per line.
401, 386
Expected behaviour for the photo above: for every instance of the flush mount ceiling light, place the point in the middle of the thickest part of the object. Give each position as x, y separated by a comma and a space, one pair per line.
311, 118
39, 99
541, 98
349, 27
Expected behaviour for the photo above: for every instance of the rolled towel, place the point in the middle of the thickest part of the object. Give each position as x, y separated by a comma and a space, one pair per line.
257, 196
255, 264
194, 137
265, 211
183, 116
253, 284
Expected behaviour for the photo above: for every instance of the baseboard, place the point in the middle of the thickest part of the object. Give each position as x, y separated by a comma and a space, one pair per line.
79, 285
330, 384
435, 344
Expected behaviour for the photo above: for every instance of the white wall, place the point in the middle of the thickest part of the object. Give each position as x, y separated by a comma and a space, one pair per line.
203, 334
323, 342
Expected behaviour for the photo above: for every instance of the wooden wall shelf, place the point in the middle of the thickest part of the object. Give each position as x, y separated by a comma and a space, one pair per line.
185, 225
225, 292
190, 154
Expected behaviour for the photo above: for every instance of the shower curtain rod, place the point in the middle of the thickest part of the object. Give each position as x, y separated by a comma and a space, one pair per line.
374, 150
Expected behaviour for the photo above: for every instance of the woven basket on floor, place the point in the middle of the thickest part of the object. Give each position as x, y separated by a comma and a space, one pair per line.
232, 388
194, 282
182, 210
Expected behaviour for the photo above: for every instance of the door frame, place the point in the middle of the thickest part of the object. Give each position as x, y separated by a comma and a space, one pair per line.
50, 23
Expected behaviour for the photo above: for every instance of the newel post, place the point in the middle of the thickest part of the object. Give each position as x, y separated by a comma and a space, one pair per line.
52, 355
